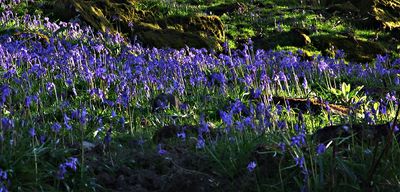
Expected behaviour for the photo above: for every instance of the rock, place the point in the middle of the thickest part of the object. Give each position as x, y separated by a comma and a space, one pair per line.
121, 181
199, 31
356, 50
329, 133
299, 37
149, 180
59, 10
87, 146
183, 180
387, 12
343, 8
363, 132
227, 8
105, 179
165, 101
173, 39
296, 37
171, 131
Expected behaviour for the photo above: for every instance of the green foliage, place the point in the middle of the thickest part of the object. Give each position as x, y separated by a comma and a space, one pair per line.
347, 95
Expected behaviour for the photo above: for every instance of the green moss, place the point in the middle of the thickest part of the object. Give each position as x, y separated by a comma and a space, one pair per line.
388, 12
356, 49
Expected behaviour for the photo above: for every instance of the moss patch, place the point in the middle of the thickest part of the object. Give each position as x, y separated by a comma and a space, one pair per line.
388, 12
356, 49
124, 16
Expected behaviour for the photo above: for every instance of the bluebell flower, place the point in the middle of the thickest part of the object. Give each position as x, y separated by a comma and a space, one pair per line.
256, 93
71, 163
32, 132
3, 175
62, 170
367, 118
7, 123
66, 122
5, 92
98, 48
226, 118
390, 97
298, 140
251, 166
321, 148
3, 188
181, 135
161, 151
42, 139
279, 109
82, 117
282, 146
397, 80
248, 122
201, 143
322, 66
239, 126
281, 124
382, 107
122, 121
299, 161
56, 127
50, 86
107, 138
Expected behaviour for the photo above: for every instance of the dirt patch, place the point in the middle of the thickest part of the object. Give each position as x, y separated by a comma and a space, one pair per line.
131, 169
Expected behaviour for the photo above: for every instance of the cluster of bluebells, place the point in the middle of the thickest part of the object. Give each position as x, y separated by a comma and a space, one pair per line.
3, 180
251, 166
70, 163
107, 73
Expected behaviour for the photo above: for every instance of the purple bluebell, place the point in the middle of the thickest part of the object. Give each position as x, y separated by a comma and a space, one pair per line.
5, 92
382, 107
161, 151
282, 146
62, 170
390, 97
32, 132
107, 138
83, 116
281, 124
251, 166
50, 86
226, 118
66, 122
320, 148
72, 163
201, 143
56, 127
7, 123
181, 135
